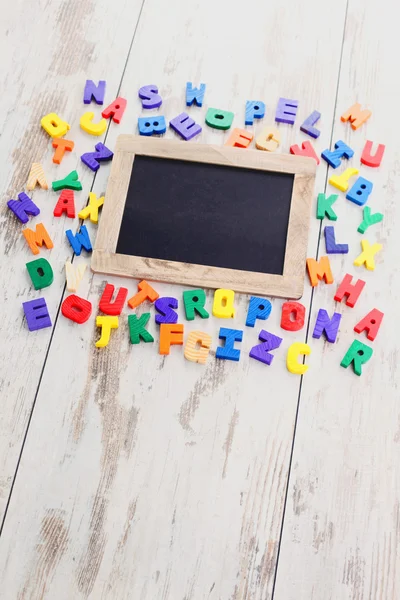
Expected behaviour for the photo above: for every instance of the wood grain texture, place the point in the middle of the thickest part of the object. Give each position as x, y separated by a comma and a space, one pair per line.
341, 531
288, 285
48, 49
152, 477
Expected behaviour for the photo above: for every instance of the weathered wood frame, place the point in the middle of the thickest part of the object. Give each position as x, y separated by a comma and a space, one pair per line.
289, 285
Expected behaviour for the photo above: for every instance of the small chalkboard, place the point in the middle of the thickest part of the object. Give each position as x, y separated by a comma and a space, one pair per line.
206, 216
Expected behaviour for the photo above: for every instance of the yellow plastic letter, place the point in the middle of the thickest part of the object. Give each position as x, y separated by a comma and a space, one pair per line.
92, 209
90, 127
293, 353
54, 126
223, 304
106, 324
341, 182
367, 255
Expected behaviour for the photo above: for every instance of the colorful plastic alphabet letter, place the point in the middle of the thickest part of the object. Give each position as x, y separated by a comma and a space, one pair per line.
54, 126
255, 109
185, 126
37, 314
92, 159
341, 182
62, 146
65, 203
228, 352
94, 92
165, 307
293, 314
219, 119
152, 125
40, 272
76, 309
171, 334
305, 150
146, 292
37, 238
106, 324
319, 270
356, 116
112, 308
259, 308
239, 138
352, 291
370, 323
367, 255
197, 347
360, 191
92, 209
369, 219
86, 123
195, 95
115, 110
80, 240
223, 304
358, 354
23, 207
292, 363
194, 301
37, 176
331, 246
137, 328
327, 326
149, 96
368, 159
261, 352
334, 157
286, 111
74, 275
70, 182
324, 207
268, 139
308, 125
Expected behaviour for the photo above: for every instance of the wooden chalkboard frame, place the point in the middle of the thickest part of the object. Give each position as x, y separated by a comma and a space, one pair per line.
289, 285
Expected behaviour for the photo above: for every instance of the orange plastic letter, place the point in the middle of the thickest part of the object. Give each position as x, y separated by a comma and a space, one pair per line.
146, 293
319, 270
170, 334
239, 138
356, 115
37, 238
61, 147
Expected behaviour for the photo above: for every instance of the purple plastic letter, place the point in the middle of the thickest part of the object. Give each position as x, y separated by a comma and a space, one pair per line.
308, 125
185, 126
36, 313
286, 111
94, 91
327, 325
261, 351
91, 159
23, 207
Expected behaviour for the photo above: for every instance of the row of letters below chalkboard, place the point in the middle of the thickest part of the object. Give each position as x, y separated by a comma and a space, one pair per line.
198, 343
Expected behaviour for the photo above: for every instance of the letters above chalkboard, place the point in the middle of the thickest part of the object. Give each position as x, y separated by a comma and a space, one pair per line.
206, 216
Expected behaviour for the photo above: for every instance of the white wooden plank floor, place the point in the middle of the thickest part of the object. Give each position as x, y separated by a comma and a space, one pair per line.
127, 475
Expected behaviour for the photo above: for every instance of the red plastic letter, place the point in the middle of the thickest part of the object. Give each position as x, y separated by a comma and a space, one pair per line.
351, 291
293, 314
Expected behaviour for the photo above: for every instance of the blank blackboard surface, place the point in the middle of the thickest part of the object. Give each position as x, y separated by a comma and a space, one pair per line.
206, 214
